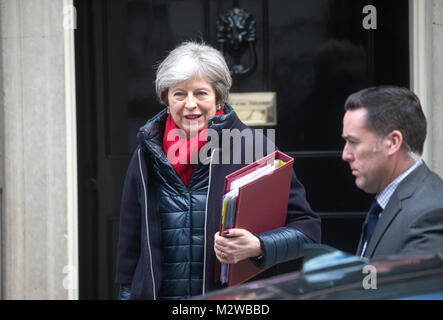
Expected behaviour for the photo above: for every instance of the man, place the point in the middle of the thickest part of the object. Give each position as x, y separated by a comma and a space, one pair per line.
385, 129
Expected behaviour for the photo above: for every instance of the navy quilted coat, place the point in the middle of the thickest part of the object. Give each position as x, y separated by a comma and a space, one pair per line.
182, 218
161, 257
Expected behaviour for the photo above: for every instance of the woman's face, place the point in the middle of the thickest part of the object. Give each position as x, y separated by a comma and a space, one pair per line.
191, 104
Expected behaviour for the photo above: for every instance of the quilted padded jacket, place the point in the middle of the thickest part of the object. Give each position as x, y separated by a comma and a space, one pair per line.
141, 254
182, 217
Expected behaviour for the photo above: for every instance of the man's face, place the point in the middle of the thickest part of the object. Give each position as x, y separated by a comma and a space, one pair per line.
364, 152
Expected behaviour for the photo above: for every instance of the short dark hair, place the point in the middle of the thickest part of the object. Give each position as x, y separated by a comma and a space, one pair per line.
392, 108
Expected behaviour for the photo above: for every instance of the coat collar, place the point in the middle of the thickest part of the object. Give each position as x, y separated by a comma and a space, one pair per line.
153, 130
404, 191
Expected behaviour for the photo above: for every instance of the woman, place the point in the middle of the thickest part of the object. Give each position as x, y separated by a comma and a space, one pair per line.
171, 205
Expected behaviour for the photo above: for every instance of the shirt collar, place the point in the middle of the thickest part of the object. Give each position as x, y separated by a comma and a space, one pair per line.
385, 195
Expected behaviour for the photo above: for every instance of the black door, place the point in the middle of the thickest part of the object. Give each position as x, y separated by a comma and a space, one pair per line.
313, 54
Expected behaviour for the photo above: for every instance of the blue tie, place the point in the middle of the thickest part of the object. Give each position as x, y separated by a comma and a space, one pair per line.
373, 214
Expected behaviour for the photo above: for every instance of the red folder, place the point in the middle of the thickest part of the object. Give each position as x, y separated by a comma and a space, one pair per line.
262, 205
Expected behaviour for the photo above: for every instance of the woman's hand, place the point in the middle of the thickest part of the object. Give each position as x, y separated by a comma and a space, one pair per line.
236, 245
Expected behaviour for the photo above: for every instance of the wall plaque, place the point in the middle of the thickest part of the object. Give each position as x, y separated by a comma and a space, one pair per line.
255, 108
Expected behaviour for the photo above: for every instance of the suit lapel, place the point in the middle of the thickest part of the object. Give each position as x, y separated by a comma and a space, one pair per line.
389, 213
405, 189
362, 240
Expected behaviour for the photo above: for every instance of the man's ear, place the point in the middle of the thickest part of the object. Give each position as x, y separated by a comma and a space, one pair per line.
393, 141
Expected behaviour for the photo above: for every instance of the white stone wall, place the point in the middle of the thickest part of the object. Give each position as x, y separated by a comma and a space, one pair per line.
34, 229
437, 87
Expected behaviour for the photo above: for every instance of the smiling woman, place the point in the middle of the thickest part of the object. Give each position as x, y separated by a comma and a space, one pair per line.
171, 209
188, 61
191, 103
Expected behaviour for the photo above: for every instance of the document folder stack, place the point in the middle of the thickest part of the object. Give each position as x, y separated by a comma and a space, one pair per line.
255, 199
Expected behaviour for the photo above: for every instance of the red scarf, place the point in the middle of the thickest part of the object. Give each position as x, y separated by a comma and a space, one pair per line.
184, 155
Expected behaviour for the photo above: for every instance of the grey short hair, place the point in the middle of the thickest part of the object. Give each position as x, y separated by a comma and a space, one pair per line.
189, 60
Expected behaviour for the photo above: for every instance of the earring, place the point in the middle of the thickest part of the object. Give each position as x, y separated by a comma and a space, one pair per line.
219, 107
167, 110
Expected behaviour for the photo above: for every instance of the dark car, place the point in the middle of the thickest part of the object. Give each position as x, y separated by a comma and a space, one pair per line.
328, 273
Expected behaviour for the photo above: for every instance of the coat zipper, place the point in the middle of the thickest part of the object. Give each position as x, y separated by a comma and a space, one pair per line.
206, 218
147, 227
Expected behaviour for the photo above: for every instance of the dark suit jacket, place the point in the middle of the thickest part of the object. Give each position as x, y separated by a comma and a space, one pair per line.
412, 221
